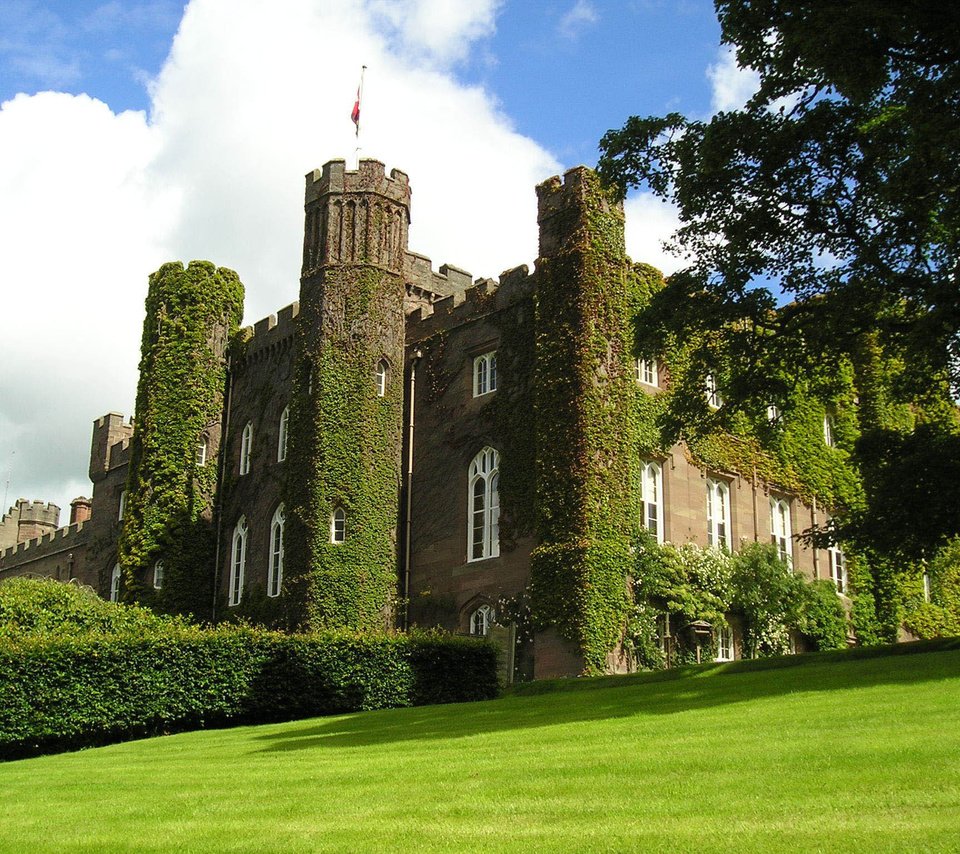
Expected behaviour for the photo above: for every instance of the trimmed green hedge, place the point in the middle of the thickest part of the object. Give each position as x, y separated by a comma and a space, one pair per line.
65, 692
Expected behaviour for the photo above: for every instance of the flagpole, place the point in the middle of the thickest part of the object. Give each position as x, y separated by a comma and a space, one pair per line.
363, 68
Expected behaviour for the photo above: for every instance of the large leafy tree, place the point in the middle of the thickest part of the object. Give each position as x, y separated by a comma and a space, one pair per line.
838, 186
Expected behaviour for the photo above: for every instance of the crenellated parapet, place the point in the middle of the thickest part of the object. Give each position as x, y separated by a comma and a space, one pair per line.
270, 335
355, 217
418, 271
109, 446
463, 306
57, 540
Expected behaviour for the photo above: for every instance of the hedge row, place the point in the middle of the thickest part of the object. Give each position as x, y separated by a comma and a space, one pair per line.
69, 692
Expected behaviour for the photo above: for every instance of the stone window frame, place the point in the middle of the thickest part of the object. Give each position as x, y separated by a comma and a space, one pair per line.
654, 502
238, 561
381, 375
726, 650
481, 618
718, 528
246, 448
158, 569
838, 569
712, 391
485, 373
483, 521
781, 528
275, 562
338, 526
283, 433
115, 583
648, 372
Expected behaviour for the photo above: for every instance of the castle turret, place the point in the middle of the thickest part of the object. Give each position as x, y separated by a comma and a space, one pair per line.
582, 401
191, 315
346, 413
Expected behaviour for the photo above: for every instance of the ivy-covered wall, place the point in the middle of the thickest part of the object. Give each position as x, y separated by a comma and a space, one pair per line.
191, 315
345, 440
585, 449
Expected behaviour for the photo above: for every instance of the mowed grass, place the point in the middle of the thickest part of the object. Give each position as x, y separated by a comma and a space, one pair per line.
855, 755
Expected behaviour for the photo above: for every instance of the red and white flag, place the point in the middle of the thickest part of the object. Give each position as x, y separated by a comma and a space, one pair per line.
355, 112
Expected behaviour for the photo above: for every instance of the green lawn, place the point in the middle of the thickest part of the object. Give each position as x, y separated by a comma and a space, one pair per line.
860, 755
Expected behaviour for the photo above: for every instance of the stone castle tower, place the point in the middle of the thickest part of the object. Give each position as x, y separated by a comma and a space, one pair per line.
346, 409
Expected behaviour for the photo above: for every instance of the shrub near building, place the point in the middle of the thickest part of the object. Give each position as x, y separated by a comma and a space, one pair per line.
76, 671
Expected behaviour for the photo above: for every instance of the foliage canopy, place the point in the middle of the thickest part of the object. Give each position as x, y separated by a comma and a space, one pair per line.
838, 184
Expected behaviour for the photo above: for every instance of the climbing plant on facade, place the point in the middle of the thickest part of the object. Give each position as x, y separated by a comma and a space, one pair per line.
191, 315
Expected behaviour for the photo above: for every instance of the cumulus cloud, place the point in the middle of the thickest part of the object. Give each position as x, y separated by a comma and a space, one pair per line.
245, 104
732, 85
649, 222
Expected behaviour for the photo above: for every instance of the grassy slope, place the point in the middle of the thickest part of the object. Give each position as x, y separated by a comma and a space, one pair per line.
852, 756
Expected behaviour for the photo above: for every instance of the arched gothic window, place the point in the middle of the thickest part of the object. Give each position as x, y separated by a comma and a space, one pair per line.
238, 561
338, 526
246, 448
115, 584
483, 510
380, 376
781, 534
282, 440
652, 489
718, 513
480, 620
275, 570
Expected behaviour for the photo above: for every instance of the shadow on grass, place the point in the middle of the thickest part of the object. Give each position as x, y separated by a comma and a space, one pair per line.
663, 693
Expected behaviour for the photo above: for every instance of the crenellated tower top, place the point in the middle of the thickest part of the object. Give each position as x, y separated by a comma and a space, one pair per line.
355, 217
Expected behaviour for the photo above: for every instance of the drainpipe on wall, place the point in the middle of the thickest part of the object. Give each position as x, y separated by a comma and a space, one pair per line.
408, 492
218, 503
816, 551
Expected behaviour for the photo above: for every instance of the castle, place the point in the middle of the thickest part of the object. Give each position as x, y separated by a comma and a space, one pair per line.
405, 446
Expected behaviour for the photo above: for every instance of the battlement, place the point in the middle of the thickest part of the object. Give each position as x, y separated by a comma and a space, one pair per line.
355, 218
484, 297
57, 540
39, 512
271, 331
418, 270
562, 206
109, 431
335, 178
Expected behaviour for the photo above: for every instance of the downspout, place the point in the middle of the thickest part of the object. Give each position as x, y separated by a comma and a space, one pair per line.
816, 551
218, 503
408, 491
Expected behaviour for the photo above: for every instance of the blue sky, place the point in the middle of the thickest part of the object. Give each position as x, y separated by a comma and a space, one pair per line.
132, 133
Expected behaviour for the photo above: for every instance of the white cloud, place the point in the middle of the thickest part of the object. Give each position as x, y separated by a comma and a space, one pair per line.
438, 29
649, 222
580, 16
732, 86
245, 105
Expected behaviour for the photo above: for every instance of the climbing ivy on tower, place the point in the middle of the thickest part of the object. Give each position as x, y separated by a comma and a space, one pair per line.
344, 447
191, 315
582, 404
